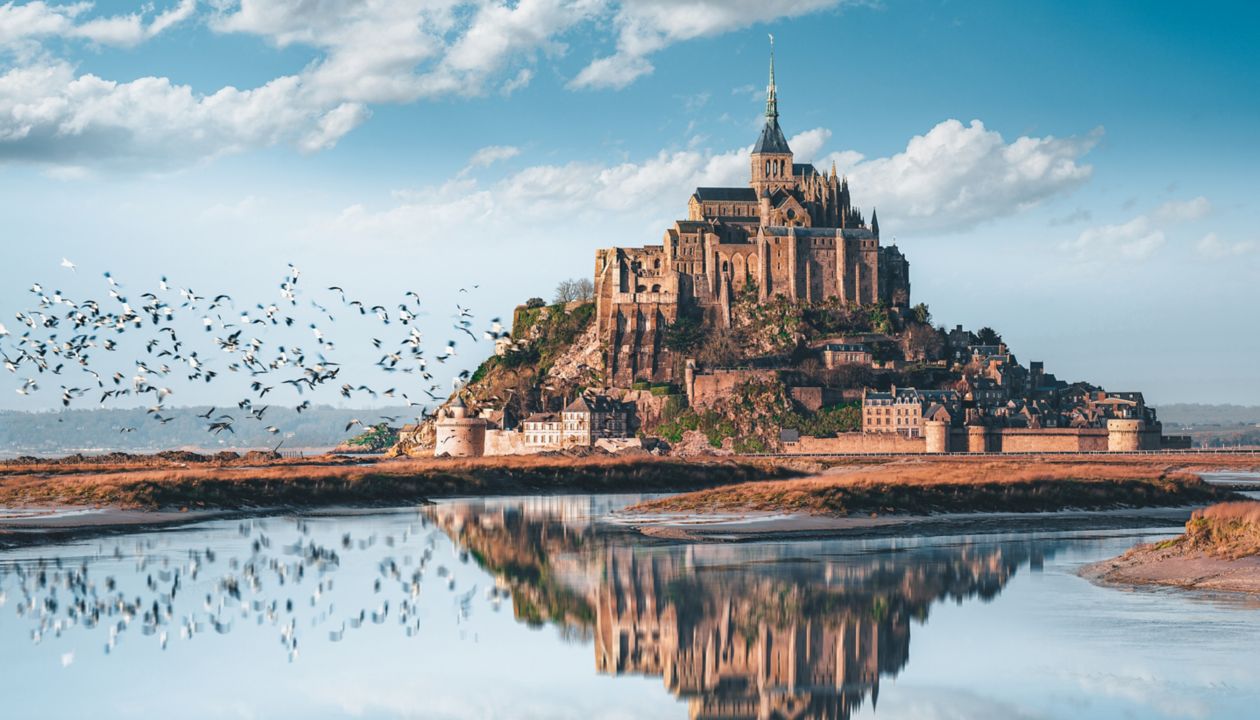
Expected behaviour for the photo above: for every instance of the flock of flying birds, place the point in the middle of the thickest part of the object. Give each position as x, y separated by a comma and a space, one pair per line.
286, 587
167, 327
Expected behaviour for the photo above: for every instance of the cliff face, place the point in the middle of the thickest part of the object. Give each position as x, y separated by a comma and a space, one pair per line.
553, 354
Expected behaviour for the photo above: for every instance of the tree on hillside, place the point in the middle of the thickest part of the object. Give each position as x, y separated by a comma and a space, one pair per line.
684, 334
721, 348
580, 289
922, 315
988, 336
922, 343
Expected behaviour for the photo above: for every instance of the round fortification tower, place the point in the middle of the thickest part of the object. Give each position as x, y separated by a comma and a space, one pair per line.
458, 435
1124, 435
936, 436
977, 439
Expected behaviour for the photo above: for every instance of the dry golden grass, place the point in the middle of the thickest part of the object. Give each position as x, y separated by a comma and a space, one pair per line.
328, 480
962, 485
1228, 530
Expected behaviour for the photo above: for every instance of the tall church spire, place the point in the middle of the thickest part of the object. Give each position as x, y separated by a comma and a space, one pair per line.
772, 140
772, 99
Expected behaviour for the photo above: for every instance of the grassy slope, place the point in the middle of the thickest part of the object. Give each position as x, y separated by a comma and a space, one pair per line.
1229, 530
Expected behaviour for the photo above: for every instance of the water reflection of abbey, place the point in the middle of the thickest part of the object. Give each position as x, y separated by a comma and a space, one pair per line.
738, 631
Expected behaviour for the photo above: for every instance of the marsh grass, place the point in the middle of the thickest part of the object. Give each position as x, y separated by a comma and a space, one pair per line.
925, 487
329, 480
1228, 530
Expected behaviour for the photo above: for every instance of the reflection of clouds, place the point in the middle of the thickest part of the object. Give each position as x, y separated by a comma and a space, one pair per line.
1170, 699
438, 701
942, 703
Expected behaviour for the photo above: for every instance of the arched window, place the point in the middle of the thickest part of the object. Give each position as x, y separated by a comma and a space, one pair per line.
656, 288
640, 288
656, 264
767, 167
726, 266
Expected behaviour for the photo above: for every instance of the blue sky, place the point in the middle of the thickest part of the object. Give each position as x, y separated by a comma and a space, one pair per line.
1079, 175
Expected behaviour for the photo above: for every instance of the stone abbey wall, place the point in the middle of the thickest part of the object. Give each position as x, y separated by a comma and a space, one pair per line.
1119, 436
856, 443
704, 389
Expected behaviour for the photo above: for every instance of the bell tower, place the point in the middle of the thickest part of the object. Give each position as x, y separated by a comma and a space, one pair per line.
771, 156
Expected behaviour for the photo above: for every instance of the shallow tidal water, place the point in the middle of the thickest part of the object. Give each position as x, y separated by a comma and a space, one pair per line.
534, 608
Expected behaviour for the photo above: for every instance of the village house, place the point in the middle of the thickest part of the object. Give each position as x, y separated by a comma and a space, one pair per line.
543, 430
590, 418
904, 410
836, 354
587, 419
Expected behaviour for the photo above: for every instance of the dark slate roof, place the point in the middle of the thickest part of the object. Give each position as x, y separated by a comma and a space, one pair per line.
771, 139
692, 225
804, 169
593, 403
726, 194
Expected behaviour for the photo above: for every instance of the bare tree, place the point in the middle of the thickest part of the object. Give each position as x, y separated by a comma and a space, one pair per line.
579, 289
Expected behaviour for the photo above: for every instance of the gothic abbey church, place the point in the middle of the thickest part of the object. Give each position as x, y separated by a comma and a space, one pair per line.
791, 232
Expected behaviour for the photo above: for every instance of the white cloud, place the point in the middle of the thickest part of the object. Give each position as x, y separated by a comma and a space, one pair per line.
331, 126
376, 51
1134, 240
1182, 210
647, 26
638, 199
1140, 237
405, 50
48, 114
1212, 246
807, 145
492, 154
956, 176
21, 24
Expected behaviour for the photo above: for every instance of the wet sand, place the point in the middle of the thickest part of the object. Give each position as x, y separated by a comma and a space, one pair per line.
758, 526
51, 523
1147, 565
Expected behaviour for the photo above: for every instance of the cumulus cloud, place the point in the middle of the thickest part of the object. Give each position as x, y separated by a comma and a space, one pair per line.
647, 26
1136, 239
643, 196
1140, 237
1212, 246
20, 24
377, 51
405, 50
956, 176
49, 114
1181, 210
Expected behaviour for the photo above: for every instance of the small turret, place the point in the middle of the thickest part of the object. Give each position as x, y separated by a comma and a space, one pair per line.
875, 223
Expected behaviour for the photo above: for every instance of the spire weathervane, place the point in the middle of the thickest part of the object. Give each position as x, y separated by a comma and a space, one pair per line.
772, 99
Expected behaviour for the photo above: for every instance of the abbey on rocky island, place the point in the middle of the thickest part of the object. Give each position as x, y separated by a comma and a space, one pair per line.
792, 232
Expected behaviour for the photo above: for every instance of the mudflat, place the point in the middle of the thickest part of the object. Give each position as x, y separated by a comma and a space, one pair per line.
1150, 565
1220, 550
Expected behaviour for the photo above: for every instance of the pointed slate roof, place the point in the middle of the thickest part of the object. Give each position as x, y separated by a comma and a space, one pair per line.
771, 139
